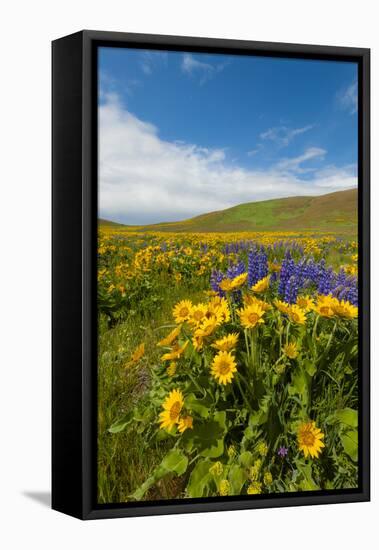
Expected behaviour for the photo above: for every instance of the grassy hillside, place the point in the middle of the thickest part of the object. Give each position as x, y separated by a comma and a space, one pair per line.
331, 212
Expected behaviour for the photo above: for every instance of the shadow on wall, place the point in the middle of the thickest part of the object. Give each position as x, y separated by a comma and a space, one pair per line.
41, 497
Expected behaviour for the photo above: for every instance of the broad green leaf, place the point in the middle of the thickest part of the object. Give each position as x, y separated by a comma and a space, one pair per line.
122, 423
199, 479
237, 478
175, 461
208, 437
310, 367
348, 416
200, 406
307, 482
349, 441
246, 459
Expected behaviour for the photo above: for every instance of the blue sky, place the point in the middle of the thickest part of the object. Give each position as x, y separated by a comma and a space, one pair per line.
181, 134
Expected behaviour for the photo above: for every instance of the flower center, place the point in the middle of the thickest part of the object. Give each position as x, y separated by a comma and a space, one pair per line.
198, 315
224, 367
308, 439
184, 312
295, 317
253, 318
324, 310
175, 410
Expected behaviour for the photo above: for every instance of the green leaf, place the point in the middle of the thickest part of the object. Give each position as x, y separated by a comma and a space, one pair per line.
349, 441
200, 406
237, 478
348, 416
307, 482
175, 461
310, 367
121, 424
199, 479
246, 459
208, 437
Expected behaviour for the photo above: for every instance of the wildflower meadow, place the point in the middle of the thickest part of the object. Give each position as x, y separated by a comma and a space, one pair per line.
227, 363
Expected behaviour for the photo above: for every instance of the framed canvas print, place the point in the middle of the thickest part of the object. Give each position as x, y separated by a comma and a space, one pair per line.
210, 274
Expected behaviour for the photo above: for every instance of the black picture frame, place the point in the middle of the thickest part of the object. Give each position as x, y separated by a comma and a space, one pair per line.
74, 228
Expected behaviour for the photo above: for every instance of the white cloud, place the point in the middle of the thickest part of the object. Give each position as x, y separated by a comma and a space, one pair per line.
192, 66
150, 59
254, 151
144, 179
282, 135
348, 98
295, 164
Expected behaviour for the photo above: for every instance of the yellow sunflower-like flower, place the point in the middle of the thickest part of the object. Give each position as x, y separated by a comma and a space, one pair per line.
171, 369
255, 488
227, 343
175, 353
182, 310
345, 309
172, 407
290, 350
223, 367
296, 314
274, 267
185, 423
238, 281
262, 285
219, 308
305, 302
226, 285
207, 327
251, 316
224, 487
170, 338
309, 439
197, 314
249, 300
222, 312
281, 306
137, 354
325, 305
198, 341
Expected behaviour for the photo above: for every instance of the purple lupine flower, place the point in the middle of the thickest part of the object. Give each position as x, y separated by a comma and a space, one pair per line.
283, 452
257, 266
216, 278
235, 270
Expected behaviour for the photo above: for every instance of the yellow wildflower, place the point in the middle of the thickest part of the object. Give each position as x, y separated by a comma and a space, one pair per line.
251, 316
223, 367
262, 285
309, 439
172, 407
227, 343
185, 423
182, 311
290, 350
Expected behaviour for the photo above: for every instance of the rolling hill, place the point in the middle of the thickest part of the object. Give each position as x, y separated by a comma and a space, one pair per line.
332, 212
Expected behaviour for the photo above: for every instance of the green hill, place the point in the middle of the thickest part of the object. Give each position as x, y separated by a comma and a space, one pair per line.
332, 212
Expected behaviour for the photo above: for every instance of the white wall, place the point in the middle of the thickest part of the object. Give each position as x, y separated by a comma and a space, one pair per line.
26, 31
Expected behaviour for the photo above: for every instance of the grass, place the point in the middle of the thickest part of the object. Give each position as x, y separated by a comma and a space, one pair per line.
330, 212
124, 463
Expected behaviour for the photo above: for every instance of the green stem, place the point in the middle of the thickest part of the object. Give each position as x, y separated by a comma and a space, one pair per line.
243, 393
